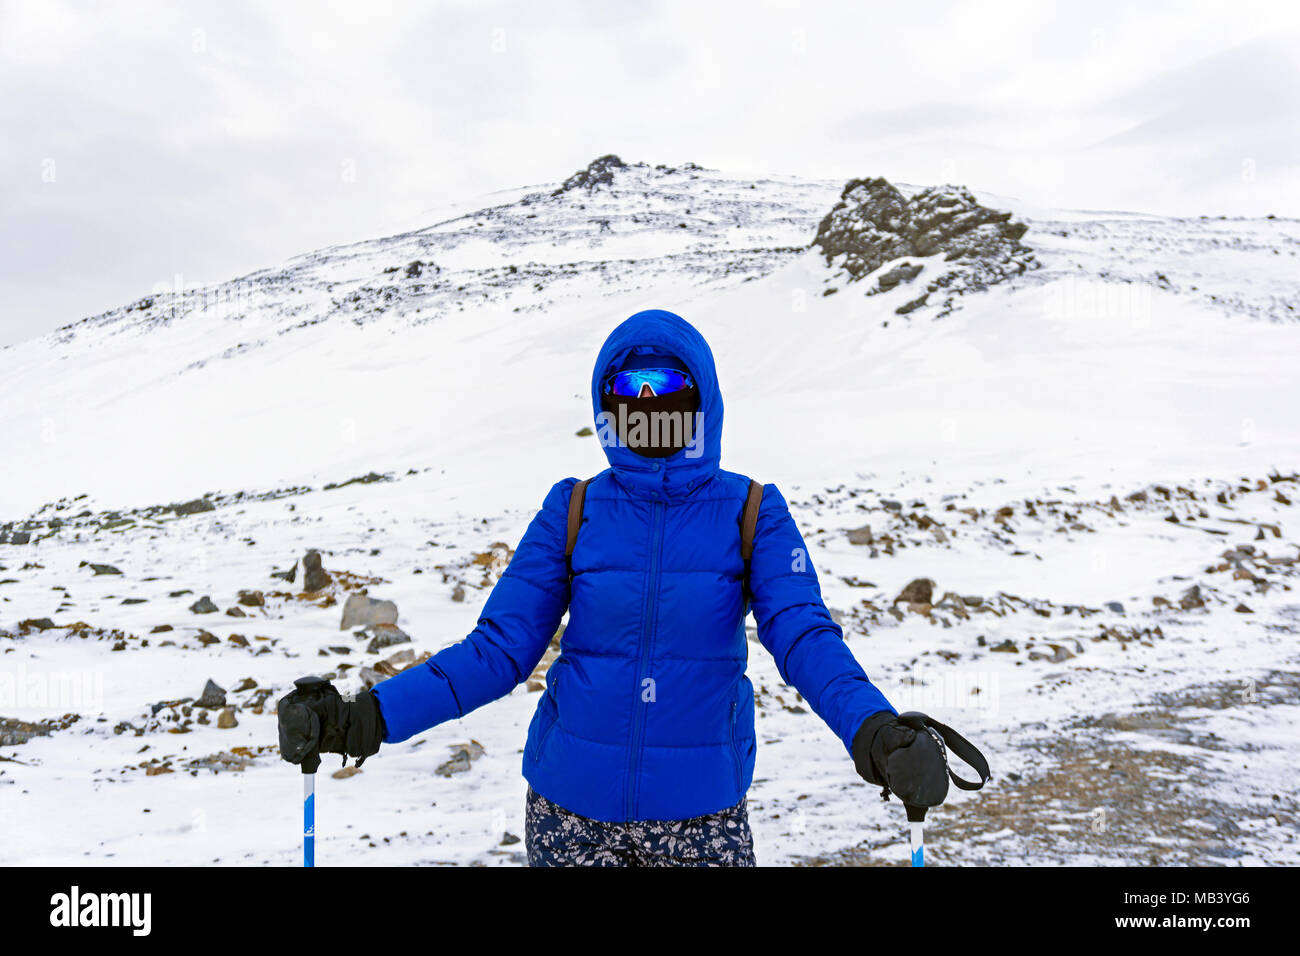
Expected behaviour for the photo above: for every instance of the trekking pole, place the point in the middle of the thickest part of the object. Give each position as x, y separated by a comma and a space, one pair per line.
309, 813
944, 739
916, 823
310, 764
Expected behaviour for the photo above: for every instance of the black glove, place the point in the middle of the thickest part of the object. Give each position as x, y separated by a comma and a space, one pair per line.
315, 719
900, 754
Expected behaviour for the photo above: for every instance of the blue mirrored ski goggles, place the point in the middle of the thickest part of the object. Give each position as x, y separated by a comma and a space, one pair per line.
661, 381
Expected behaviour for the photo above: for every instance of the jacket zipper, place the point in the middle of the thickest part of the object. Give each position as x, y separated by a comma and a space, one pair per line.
648, 615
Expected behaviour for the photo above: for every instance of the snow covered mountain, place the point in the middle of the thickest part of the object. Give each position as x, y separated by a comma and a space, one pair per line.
1079, 426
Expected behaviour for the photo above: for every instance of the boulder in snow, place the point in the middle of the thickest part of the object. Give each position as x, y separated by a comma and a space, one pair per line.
359, 610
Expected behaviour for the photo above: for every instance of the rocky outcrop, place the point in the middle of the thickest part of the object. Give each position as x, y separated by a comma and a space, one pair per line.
868, 227
599, 172
874, 224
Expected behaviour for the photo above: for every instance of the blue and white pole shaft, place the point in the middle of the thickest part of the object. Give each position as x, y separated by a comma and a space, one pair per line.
309, 819
309, 686
916, 824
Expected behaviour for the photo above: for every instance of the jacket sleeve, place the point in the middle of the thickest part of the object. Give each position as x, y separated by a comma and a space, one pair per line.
518, 621
797, 629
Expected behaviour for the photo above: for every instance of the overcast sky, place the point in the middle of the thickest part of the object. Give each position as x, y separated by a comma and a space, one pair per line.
141, 141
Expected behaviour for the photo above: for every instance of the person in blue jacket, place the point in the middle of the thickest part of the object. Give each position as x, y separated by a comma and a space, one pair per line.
642, 746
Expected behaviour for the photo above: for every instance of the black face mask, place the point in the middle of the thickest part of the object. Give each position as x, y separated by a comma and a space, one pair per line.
662, 434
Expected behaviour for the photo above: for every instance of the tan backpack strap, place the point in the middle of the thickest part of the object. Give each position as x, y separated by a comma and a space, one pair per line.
750, 520
748, 524
577, 499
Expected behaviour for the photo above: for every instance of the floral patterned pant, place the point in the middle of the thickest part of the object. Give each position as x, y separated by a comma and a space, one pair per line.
555, 836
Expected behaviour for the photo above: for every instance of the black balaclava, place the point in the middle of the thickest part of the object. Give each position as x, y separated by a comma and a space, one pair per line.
684, 404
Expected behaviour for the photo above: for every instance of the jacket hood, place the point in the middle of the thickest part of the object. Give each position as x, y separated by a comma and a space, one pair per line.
684, 471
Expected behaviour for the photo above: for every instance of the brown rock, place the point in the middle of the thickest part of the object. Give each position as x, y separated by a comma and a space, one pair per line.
461, 758
1192, 599
1058, 654
360, 610
384, 635
314, 577
860, 535
918, 591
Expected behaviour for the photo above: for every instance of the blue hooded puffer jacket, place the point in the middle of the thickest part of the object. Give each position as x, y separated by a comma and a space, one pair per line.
648, 714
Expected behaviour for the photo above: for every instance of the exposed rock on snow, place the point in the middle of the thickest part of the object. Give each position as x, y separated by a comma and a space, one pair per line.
918, 591
1191, 599
860, 535
494, 561
384, 635
15, 732
868, 227
873, 224
314, 577
1057, 655
213, 696
366, 479
204, 605
599, 172
361, 611
461, 757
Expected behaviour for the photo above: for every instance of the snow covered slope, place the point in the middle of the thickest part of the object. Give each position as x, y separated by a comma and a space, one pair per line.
1068, 447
